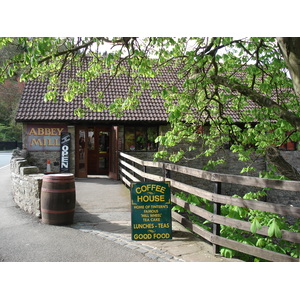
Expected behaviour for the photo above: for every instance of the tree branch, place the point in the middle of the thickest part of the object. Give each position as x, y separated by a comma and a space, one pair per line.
259, 99
75, 49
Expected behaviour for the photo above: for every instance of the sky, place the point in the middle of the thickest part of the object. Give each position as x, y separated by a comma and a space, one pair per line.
155, 18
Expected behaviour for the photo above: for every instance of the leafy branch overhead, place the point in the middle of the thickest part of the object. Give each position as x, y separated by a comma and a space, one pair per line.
241, 93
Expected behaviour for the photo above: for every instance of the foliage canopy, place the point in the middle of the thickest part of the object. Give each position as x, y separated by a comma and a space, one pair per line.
215, 75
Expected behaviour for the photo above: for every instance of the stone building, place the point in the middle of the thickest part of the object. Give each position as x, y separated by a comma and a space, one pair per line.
96, 138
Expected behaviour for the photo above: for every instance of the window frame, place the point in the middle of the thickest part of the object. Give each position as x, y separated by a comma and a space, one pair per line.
136, 128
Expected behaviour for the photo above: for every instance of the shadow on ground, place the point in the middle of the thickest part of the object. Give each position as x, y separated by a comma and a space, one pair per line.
102, 204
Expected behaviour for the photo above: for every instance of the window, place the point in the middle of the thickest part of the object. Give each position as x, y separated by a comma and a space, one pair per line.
141, 138
91, 139
289, 144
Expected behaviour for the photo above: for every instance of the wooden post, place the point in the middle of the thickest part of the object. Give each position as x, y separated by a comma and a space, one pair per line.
168, 173
165, 173
119, 164
132, 172
145, 171
217, 211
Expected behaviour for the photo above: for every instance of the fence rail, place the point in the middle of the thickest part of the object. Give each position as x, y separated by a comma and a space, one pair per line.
133, 169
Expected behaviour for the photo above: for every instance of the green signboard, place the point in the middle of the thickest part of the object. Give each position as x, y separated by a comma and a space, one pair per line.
151, 211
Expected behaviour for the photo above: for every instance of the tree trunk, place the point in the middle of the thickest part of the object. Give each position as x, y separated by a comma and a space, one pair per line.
286, 169
290, 48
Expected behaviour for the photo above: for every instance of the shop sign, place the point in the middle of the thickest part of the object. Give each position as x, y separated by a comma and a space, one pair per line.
151, 211
65, 139
44, 137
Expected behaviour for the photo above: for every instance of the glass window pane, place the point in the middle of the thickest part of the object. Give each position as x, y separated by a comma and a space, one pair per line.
91, 139
129, 139
81, 149
151, 136
103, 141
141, 138
103, 163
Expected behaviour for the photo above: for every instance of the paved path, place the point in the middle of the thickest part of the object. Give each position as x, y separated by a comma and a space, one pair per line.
103, 209
102, 221
5, 158
23, 238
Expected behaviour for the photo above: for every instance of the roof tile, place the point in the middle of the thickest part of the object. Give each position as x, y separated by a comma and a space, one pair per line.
33, 107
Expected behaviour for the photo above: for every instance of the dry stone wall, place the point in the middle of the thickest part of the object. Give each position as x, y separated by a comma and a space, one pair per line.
26, 185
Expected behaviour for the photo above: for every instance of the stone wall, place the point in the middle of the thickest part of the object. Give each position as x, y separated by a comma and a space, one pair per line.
26, 185
232, 166
39, 159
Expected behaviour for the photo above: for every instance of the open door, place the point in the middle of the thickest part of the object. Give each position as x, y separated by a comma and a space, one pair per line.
115, 147
98, 150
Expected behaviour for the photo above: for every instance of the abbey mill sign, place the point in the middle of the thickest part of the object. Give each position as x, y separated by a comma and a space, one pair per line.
44, 137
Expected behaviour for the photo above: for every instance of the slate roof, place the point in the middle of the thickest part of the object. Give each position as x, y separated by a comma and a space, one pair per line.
32, 106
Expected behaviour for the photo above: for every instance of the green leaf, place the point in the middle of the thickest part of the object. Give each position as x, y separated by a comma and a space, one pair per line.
260, 242
255, 225
10, 72
79, 112
228, 253
274, 229
178, 208
68, 97
164, 93
256, 259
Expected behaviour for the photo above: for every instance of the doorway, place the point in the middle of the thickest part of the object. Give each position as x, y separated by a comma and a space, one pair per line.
93, 147
98, 150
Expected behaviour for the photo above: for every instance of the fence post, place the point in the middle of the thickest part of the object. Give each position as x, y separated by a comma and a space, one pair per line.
145, 171
132, 172
119, 165
217, 211
165, 173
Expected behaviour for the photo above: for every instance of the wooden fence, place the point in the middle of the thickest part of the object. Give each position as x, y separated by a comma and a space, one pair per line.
133, 169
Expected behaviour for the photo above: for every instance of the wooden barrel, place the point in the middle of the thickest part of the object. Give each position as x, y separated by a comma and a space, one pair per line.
58, 199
